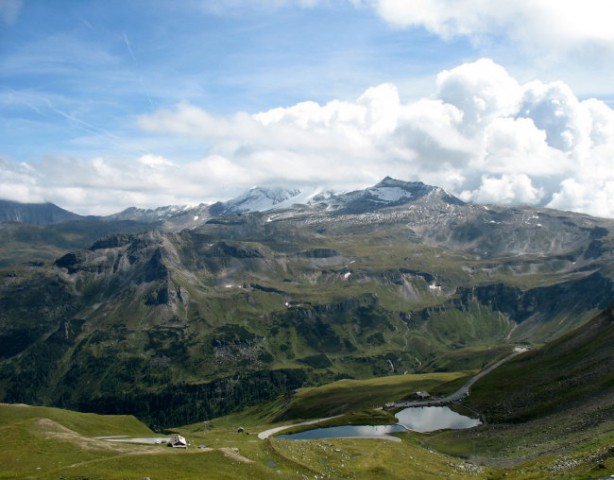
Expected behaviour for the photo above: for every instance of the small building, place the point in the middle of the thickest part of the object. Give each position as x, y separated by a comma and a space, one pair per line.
177, 441
423, 395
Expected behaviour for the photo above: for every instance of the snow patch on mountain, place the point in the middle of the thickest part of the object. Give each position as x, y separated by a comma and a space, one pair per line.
261, 199
390, 194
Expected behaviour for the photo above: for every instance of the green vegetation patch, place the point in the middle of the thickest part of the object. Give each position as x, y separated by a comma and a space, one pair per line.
82, 423
571, 369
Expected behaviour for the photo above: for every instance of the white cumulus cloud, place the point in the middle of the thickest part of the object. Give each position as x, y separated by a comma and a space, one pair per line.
482, 90
536, 24
482, 135
505, 189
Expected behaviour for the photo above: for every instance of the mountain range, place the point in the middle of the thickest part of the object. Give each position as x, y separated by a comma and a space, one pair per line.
387, 193
214, 307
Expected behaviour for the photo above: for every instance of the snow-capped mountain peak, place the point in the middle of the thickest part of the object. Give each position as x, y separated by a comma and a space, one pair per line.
387, 193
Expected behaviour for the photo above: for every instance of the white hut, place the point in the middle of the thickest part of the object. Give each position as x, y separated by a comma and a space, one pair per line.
177, 441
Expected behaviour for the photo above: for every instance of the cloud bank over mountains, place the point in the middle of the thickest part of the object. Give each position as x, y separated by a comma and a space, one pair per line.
482, 135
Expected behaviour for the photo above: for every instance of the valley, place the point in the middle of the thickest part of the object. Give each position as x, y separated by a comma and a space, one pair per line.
267, 313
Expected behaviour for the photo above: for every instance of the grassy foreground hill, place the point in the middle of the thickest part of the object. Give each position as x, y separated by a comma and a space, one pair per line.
48, 443
548, 415
51, 443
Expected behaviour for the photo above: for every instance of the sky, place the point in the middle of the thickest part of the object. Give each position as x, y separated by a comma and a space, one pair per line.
110, 104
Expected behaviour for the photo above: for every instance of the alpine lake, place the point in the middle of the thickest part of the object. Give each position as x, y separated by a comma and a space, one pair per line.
416, 419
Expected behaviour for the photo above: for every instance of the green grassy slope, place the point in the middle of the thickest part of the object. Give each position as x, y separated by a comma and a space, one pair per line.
82, 423
41, 442
553, 404
48, 443
37, 443
576, 366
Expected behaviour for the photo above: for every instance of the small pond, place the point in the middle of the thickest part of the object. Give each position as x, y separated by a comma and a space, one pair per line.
346, 431
417, 419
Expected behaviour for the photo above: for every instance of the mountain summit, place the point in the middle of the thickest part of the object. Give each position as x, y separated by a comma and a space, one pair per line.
389, 192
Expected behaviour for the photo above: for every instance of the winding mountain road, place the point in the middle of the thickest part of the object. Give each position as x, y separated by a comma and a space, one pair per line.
453, 397
464, 390
273, 431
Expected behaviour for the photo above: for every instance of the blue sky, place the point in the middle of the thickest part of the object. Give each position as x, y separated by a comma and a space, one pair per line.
96, 65
105, 105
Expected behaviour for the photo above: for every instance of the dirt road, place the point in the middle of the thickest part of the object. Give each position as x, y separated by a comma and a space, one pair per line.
464, 390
